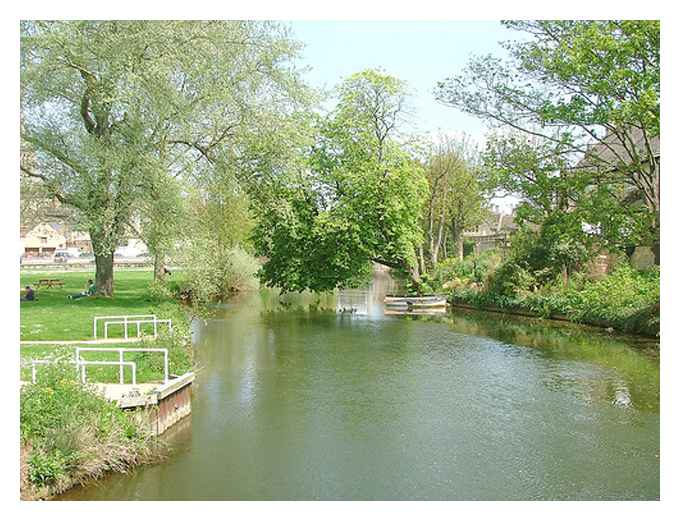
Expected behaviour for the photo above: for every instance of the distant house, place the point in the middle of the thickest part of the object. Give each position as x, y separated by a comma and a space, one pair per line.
79, 240
492, 233
614, 154
42, 241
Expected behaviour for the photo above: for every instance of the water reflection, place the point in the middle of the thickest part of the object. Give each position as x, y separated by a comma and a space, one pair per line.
627, 372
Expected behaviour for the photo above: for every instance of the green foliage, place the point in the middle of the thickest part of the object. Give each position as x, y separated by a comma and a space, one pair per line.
114, 111
578, 106
216, 273
456, 200
72, 431
216, 263
47, 468
358, 199
626, 299
178, 343
473, 269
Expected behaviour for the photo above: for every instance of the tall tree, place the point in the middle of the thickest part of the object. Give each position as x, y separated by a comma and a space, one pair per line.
102, 101
456, 199
554, 205
590, 88
356, 201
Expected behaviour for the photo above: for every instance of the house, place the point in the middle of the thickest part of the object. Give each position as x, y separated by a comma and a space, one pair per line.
639, 156
621, 150
42, 241
493, 233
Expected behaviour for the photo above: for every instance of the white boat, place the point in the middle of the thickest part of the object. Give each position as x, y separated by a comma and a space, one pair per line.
432, 301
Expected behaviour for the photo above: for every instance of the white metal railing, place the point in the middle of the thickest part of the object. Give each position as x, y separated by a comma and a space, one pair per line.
125, 323
122, 350
81, 366
124, 318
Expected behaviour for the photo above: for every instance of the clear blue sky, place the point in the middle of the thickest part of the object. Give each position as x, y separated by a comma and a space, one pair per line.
420, 53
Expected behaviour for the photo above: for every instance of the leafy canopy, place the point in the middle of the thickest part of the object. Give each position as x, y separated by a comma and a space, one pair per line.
357, 199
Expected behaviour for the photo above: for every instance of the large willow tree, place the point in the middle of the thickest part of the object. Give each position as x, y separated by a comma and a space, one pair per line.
110, 108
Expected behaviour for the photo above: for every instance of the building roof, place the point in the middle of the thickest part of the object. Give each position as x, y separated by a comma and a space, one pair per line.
43, 236
496, 223
611, 150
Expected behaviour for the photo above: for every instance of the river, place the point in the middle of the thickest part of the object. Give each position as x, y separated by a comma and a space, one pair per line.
296, 401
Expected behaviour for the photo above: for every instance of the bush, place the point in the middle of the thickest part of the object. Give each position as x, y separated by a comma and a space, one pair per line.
474, 269
69, 433
214, 274
178, 343
627, 299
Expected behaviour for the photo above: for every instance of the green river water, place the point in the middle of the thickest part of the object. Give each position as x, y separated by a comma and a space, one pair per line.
296, 401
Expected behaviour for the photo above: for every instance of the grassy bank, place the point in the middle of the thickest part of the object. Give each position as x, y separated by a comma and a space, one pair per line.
626, 300
69, 434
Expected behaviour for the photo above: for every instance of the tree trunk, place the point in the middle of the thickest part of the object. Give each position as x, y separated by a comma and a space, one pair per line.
104, 274
565, 275
656, 244
415, 274
103, 277
421, 257
460, 244
158, 266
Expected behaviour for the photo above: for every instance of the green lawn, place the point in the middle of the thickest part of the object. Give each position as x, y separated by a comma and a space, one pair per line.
54, 317
149, 365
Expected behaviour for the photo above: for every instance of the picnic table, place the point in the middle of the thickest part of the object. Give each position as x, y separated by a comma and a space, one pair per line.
49, 282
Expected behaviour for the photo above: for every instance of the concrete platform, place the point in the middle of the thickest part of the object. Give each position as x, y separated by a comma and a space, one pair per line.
128, 395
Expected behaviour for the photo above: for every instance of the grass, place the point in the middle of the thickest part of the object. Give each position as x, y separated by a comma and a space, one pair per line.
149, 365
54, 317
70, 434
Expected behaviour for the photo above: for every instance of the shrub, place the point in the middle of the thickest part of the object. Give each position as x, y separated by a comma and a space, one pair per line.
627, 299
213, 274
178, 343
453, 272
69, 433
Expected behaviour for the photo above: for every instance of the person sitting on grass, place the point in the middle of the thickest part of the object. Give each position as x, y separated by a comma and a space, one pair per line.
89, 292
30, 294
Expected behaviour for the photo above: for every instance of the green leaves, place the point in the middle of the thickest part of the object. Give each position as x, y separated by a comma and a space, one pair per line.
577, 106
121, 114
358, 200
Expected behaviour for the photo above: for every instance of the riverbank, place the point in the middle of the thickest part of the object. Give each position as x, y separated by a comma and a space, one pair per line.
555, 317
69, 433
627, 300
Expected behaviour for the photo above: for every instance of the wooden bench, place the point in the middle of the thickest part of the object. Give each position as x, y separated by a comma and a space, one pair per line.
50, 282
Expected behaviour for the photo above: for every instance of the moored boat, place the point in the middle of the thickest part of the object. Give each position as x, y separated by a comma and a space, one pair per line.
431, 301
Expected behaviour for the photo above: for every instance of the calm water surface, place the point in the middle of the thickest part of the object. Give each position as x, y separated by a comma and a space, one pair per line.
295, 401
